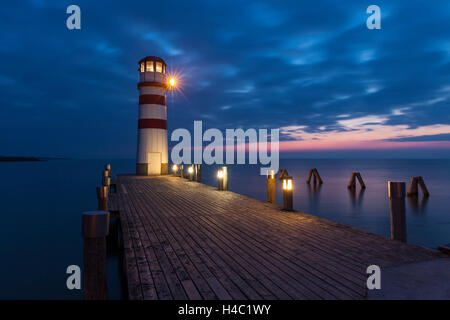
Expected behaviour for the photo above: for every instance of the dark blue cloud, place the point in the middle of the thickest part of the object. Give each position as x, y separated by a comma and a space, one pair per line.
249, 64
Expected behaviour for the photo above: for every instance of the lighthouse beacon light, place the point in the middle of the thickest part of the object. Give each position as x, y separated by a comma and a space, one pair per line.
152, 149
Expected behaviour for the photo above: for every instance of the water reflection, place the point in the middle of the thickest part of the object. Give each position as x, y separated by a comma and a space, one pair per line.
314, 193
416, 206
356, 198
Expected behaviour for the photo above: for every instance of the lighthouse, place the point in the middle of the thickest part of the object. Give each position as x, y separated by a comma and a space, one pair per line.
152, 149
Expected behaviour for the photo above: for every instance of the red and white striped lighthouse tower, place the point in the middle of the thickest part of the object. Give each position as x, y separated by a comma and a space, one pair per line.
152, 151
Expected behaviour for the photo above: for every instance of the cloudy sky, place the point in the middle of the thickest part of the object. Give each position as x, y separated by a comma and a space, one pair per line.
312, 69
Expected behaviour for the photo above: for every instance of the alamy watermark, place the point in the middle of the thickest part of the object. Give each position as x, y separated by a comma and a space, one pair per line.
73, 22
221, 150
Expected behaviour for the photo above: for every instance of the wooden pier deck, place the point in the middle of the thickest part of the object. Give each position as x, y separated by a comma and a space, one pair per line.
186, 240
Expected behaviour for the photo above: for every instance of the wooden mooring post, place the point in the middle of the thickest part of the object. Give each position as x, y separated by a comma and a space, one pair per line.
198, 173
106, 182
108, 168
102, 198
413, 189
396, 193
182, 170
313, 173
271, 186
352, 182
95, 228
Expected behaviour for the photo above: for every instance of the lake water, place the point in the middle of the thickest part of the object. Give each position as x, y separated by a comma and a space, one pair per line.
41, 205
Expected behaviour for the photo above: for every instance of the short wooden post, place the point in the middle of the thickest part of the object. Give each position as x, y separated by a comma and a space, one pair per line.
287, 193
191, 172
396, 193
220, 179
271, 186
225, 178
102, 198
182, 170
106, 182
198, 173
95, 228
108, 168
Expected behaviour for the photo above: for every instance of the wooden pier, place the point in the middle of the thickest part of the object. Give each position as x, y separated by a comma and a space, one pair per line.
186, 240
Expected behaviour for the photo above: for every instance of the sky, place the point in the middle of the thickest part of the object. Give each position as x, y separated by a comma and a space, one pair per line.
314, 70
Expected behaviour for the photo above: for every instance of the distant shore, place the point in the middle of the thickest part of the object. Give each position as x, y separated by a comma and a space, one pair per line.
20, 159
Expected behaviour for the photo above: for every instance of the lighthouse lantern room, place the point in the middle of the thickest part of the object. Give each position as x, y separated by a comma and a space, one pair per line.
152, 148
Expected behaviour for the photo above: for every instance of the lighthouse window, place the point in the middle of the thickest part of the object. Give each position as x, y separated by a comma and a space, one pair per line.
149, 66
142, 67
159, 67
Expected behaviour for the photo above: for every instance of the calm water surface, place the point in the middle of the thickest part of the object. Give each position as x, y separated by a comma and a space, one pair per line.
41, 203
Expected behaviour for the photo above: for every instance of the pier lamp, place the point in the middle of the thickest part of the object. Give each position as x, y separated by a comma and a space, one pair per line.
191, 173
287, 193
225, 178
220, 179
175, 169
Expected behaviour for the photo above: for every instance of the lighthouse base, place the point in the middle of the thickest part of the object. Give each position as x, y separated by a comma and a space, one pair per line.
142, 169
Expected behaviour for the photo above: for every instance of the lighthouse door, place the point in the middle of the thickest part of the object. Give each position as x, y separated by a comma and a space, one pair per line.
154, 163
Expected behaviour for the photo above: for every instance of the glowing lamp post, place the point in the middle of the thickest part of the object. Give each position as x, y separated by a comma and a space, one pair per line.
175, 169
191, 173
225, 178
220, 179
287, 193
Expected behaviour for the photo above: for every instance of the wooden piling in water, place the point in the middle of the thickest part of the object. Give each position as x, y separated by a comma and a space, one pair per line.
313, 173
95, 228
271, 186
396, 193
352, 182
423, 187
413, 188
